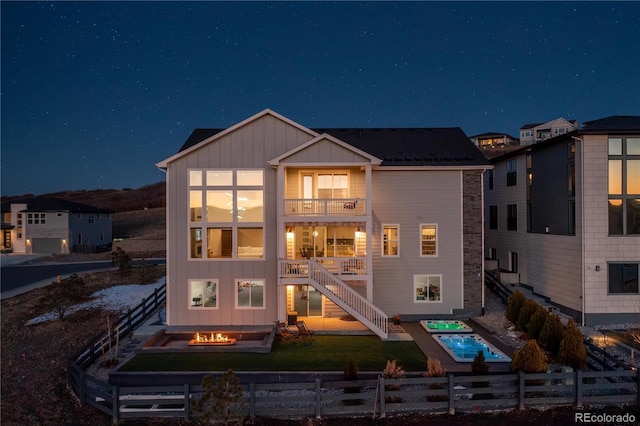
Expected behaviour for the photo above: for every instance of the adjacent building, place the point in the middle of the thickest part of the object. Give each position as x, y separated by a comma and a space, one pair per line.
269, 217
563, 215
537, 132
54, 226
490, 140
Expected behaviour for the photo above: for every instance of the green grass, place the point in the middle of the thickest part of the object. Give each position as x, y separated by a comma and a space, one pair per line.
325, 353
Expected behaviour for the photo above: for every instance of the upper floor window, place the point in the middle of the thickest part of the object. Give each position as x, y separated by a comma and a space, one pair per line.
493, 217
624, 185
91, 218
428, 240
490, 174
390, 240
226, 213
623, 278
512, 217
512, 172
333, 185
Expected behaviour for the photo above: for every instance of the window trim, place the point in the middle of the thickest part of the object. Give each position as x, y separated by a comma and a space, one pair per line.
384, 240
421, 226
190, 297
238, 281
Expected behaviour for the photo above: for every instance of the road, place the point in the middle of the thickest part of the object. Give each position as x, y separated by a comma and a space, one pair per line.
17, 279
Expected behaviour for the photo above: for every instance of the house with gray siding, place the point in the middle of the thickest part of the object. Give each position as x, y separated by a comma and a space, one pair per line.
54, 226
269, 217
563, 218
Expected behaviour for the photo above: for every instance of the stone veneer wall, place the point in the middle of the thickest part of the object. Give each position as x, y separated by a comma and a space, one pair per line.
472, 241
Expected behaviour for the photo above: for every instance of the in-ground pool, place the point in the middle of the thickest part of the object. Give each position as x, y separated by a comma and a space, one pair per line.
465, 347
445, 326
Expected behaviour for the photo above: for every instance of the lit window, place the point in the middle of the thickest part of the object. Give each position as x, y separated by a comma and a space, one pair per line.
250, 294
624, 186
390, 240
427, 288
203, 294
429, 240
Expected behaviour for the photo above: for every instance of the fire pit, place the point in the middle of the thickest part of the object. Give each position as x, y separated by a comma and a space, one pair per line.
212, 339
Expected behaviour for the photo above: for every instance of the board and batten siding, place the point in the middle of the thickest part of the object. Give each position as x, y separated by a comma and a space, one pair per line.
412, 198
247, 147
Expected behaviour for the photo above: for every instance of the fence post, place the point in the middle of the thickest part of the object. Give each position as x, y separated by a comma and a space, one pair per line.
115, 405
318, 399
452, 394
578, 379
187, 402
521, 382
252, 401
381, 395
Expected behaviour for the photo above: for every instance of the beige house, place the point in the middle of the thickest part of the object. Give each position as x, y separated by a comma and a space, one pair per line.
269, 217
537, 132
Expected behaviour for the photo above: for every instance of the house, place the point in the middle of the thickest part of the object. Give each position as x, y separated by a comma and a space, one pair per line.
53, 225
269, 217
536, 132
563, 217
491, 140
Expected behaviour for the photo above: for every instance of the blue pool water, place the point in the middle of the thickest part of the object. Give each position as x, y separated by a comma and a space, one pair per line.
464, 348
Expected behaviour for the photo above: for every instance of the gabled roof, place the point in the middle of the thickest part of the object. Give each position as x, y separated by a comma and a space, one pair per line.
45, 204
614, 123
322, 137
550, 122
490, 135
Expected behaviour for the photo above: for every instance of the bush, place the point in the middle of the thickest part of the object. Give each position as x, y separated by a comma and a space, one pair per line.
529, 359
63, 294
434, 369
514, 304
551, 333
526, 312
572, 351
121, 259
479, 366
220, 399
393, 371
537, 322
351, 373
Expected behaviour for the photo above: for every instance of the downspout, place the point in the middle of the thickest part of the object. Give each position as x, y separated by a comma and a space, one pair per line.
582, 247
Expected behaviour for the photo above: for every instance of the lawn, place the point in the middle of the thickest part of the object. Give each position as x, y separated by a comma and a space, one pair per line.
324, 353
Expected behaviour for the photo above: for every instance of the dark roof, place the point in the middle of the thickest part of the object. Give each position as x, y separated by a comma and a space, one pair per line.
44, 204
491, 135
614, 123
397, 146
530, 125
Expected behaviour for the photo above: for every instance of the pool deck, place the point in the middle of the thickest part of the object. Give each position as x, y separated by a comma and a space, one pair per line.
432, 349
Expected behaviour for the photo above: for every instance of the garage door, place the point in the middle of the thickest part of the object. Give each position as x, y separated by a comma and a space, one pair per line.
46, 245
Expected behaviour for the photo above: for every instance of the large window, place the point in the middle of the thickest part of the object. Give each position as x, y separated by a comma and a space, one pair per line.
427, 288
333, 185
203, 294
623, 278
512, 172
390, 240
428, 240
493, 217
226, 214
250, 294
624, 186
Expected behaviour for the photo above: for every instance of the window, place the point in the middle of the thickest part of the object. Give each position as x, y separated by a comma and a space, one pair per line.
571, 179
512, 172
333, 186
226, 214
429, 240
29, 218
512, 217
493, 253
572, 217
624, 186
250, 294
493, 217
91, 219
513, 261
490, 172
572, 150
623, 278
390, 240
203, 294
427, 288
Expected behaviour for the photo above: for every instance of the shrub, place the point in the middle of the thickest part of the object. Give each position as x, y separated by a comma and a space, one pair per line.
535, 324
514, 303
434, 369
219, 399
64, 293
529, 359
392, 371
551, 333
526, 312
121, 259
572, 351
479, 366
351, 373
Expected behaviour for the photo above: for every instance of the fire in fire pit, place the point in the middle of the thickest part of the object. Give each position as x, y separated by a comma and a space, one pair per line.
213, 339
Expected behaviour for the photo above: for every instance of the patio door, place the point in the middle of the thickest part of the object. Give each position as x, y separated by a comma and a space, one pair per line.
307, 301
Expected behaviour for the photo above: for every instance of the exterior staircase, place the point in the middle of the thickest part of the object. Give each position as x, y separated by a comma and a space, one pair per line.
348, 299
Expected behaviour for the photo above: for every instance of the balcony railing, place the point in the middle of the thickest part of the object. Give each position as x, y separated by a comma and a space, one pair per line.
324, 207
341, 266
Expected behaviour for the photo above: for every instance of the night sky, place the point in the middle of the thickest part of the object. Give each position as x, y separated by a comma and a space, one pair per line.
95, 93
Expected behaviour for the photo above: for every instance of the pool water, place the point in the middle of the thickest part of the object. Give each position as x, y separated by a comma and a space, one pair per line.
445, 326
465, 347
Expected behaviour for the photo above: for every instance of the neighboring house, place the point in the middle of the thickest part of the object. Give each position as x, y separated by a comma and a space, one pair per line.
491, 140
564, 215
537, 132
52, 225
269, 217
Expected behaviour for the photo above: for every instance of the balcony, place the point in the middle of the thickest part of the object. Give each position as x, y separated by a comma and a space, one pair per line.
340, 266
324, 207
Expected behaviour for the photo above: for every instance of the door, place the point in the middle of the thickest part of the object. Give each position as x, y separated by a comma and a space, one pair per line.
307, 301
